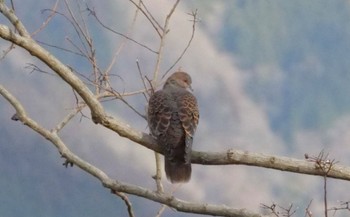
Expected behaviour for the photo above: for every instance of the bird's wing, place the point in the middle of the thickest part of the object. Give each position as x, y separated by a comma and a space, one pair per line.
159, 113
189, 117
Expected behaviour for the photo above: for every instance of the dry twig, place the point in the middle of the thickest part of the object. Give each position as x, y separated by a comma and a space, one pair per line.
325, 165
127, 202
195, 20
48, 19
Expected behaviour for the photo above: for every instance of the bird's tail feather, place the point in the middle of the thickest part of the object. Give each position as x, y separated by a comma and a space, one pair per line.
177, 171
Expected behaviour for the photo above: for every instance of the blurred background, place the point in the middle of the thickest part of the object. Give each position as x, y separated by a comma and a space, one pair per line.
270, 77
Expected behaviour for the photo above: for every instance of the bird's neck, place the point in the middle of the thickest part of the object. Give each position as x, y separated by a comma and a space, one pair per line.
173, 88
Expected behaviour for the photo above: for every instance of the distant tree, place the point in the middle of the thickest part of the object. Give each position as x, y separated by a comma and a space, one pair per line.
92, 91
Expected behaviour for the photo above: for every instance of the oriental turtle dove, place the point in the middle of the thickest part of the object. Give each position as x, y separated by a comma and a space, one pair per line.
173, 118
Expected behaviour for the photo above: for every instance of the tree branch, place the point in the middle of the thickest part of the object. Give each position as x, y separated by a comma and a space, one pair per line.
269, 161
10, 15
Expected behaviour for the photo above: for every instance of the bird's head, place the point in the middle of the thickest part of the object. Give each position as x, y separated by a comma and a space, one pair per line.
179, 79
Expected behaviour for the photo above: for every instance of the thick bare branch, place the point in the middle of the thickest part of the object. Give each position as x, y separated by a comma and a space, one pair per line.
269, 161
10, 15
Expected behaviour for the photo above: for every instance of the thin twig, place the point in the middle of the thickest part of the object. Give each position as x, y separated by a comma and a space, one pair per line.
325, 196
308, 212
93, 13
78, 104
161, 44
194, 15
163, 207
148, 17
67, 119
48, 19
152, 17
87, 44
271, 208
278, 210
126, 201
120, 48
82, 53
120, 97
161, 210
343, 206
77, 27
84, 27
79, 34
325, 165
61, 48
35, 68
142, 79
6, 51
91, 48
150, 84
110, 93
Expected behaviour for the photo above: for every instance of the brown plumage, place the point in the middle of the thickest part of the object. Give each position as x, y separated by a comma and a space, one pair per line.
173, 118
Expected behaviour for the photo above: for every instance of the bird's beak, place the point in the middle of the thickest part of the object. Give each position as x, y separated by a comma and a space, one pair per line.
189, 87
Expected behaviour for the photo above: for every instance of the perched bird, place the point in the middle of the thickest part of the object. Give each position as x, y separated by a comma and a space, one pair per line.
173, 118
